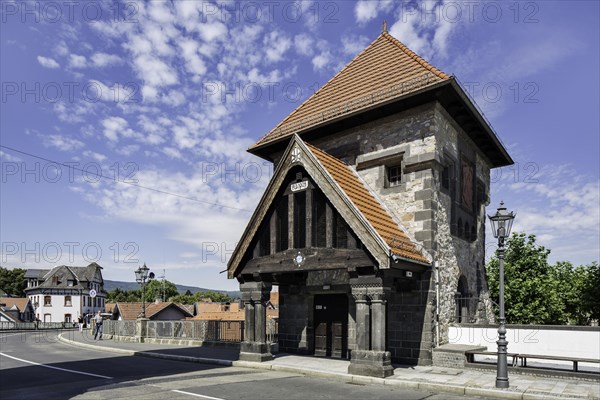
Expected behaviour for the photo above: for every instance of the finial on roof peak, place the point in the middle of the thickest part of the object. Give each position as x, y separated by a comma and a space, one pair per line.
384, 28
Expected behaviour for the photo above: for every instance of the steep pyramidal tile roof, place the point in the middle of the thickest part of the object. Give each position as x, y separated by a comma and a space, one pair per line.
385, 70
389, 230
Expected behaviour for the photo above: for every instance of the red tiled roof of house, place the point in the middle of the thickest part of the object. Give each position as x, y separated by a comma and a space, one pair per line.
131, 311
379, 218
384, 71
20, 302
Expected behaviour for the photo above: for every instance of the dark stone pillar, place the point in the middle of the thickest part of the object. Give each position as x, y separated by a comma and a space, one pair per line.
249, 320
378, 317
371, 357
362, 319
255, 346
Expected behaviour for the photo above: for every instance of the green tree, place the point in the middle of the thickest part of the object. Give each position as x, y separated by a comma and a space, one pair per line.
183, 299
533, 288
12, 281
590, 291
215, 297
154, 290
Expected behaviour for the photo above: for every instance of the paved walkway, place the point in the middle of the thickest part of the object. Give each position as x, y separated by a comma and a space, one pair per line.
434, 379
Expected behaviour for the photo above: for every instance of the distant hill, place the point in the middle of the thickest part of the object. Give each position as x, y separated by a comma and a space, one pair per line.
112, 285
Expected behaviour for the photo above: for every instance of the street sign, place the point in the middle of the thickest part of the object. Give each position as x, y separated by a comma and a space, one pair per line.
92, 293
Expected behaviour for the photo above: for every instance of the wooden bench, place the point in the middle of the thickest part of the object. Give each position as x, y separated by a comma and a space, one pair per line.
471, 356
574, 360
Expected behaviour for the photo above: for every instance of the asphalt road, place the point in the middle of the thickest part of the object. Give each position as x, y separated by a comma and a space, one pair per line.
38, 366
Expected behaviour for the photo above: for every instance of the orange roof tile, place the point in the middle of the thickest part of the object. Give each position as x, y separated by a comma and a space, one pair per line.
131, 311
20, 302
399, 243
385, 70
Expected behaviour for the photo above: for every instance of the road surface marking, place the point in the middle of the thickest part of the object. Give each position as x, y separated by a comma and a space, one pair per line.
60, 369
197, 395
12, 334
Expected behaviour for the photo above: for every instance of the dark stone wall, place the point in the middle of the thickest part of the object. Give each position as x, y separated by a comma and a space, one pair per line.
295, 316
411, 326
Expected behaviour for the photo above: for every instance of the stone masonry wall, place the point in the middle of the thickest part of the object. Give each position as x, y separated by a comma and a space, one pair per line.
458, 257
421, 138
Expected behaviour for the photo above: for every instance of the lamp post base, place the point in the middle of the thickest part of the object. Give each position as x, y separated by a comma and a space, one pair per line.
502, 383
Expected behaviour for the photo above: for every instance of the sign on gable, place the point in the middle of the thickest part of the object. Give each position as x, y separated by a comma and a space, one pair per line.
299, 186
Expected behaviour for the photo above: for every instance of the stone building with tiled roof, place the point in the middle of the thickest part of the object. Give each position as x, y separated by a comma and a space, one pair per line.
62, 294
374, 220
157, 311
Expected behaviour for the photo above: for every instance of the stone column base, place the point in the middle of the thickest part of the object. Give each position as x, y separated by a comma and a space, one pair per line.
254, 351
371, 363
141, 329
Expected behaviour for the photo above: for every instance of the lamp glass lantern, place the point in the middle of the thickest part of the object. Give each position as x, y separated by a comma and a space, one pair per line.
501, 222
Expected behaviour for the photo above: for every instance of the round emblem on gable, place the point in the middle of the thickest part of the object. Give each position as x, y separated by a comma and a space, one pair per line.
299, 259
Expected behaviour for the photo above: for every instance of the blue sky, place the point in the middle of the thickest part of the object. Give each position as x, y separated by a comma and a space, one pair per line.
163, 98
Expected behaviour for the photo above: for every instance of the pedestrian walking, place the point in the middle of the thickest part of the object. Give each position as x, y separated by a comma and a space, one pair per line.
98, 329
80, 322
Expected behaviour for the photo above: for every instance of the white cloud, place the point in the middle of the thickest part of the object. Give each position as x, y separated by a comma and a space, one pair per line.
116, 127
558, 205
368, 10
127, 150
8, 157
47, 62
77, 61
193, 62
322, 60
304, 44
422, 30
101, 60
61, 48
62, 143
173, 98
352, 44
116, 93
212, 31
95, 156
276, 44
172, 152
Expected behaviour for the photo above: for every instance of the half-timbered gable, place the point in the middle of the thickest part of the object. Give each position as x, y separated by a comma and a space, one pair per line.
318, 206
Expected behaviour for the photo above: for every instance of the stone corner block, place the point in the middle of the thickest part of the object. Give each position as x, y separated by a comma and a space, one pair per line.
377, 364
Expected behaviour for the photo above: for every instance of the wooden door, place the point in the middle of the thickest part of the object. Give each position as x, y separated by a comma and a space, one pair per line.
331, 325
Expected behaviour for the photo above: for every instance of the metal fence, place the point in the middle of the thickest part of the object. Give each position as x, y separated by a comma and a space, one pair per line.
213, 331
5, 325
470, 310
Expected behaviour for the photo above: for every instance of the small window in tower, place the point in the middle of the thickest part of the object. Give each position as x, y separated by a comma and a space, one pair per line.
446, 178
394, 175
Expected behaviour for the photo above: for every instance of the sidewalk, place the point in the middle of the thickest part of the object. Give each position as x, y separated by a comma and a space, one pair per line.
434, 379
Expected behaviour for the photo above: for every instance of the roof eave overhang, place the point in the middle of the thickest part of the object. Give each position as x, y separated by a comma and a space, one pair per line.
504, 159
264, 149
396, 258
444, 91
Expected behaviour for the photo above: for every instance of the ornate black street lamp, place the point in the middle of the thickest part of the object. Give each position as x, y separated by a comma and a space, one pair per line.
142, 276
501, 223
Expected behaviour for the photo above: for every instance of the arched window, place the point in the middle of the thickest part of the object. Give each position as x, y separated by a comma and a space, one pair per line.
462, 300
